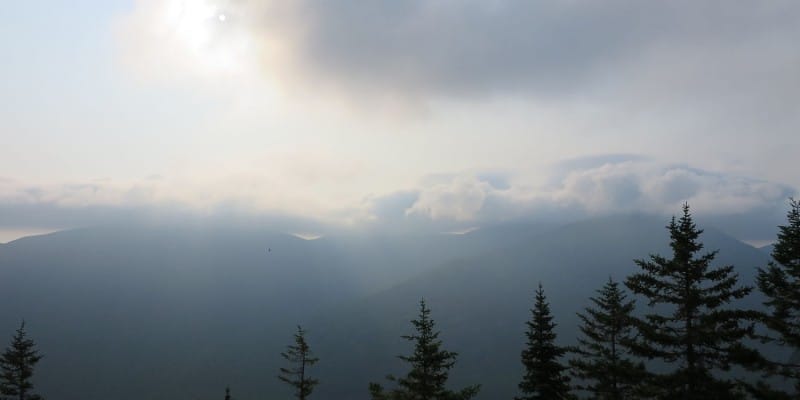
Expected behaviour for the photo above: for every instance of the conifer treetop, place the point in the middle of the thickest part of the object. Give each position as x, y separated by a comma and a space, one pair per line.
697, 328
16, 366
780, 283
604, 360
544, 377
430, 367
299, 355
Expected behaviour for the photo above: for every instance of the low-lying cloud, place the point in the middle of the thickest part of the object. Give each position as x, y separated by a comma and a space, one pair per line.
629, 185
595, 186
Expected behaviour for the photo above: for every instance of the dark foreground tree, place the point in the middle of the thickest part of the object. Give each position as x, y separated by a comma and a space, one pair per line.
780, 282
300, 357
430, 367
227, 393
545, 377
16, 367
604, 361
692, 326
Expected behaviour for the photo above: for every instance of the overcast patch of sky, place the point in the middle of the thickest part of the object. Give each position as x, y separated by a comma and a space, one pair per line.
371, 98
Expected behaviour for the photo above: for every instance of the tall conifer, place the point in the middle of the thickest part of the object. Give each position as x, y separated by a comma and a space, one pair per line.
604, 363
780, 282
16, 367
545, 377
430, 367
300, 357
690, 326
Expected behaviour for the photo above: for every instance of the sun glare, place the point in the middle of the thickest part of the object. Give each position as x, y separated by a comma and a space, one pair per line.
206, 32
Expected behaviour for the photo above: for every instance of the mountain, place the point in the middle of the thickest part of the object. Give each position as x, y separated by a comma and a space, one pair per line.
180, 311
482, 303
158, 312
153, 311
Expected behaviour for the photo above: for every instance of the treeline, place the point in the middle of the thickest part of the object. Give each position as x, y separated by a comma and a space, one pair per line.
683, 344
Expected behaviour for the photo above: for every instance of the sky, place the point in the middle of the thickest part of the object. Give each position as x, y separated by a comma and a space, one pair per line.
446, 114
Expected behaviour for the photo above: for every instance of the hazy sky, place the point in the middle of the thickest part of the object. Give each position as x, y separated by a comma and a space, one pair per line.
457, 111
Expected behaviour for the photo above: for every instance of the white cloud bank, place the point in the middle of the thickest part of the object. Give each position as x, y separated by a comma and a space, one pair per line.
588, 187
614, 187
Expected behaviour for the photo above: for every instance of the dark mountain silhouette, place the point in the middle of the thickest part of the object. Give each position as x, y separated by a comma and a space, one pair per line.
148, 311
151, 312
482, 302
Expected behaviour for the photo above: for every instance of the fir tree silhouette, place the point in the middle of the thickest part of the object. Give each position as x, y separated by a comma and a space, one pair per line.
691, 326
780, 283
545, 377
300, 357
430, 367
16, 367
604, 361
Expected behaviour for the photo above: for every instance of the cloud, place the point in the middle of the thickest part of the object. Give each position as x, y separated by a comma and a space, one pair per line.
663, 79
618, 185
390, 208
666, 79
459, 199
294, 184
441, 202
650, 187
473, 47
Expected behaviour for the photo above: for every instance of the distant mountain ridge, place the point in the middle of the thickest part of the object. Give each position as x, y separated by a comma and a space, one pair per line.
482, 303
150, 312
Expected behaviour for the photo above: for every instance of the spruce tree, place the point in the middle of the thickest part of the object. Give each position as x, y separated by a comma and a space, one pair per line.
227, 393
692, 326
430, 367
300, 357
545, 377
780, 283
604, 361
16, 367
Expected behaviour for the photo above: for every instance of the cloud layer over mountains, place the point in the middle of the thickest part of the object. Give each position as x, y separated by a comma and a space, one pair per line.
580, 188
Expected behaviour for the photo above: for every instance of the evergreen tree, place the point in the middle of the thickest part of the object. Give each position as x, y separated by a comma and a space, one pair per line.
16, 367
227, 393
692, 328
300, 356
604, 361
430, 367
545, 377
780, 282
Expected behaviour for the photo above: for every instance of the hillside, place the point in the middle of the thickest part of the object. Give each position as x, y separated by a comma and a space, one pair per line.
150, 312
481, 303
182, 310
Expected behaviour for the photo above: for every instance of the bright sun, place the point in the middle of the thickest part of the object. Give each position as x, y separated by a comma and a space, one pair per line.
208, 34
